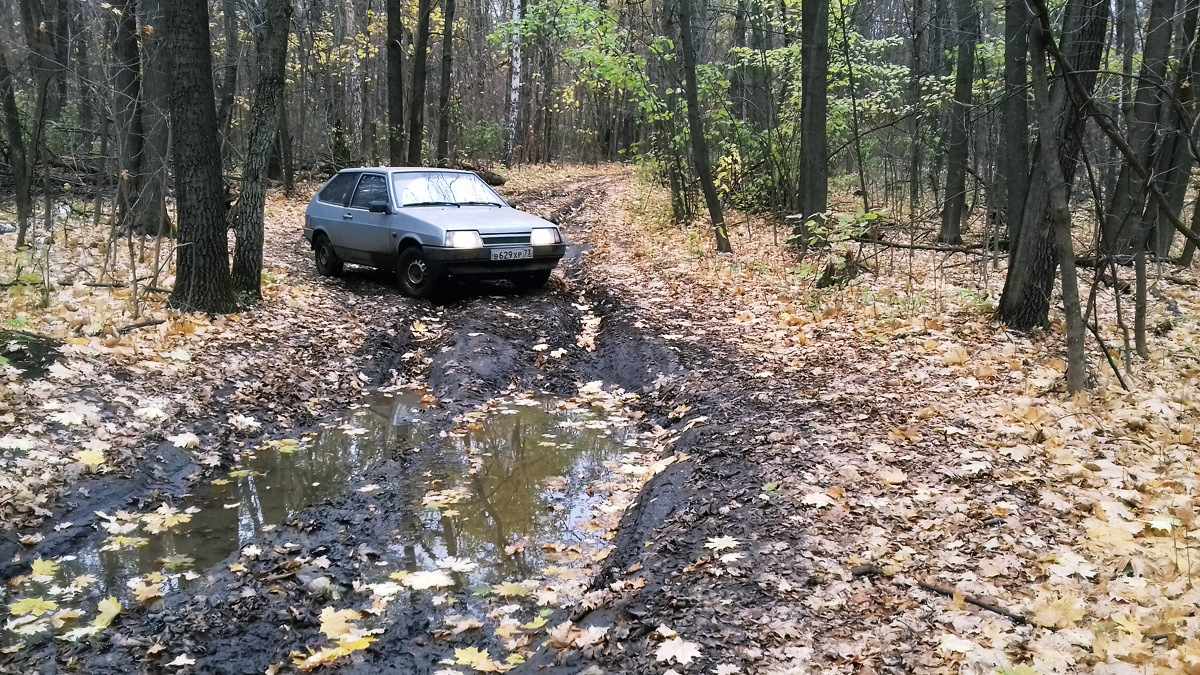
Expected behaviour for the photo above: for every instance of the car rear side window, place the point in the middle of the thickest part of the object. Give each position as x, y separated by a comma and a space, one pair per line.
372, 188
337, 190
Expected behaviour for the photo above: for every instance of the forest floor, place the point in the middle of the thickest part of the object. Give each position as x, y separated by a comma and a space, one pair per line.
667, 460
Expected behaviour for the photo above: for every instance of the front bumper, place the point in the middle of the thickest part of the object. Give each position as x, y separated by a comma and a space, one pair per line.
477, 262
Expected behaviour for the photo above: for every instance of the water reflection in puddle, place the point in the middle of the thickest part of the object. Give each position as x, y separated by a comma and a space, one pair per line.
509, 482
512, 488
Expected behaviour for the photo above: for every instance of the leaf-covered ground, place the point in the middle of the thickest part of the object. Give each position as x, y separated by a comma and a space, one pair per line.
852, 472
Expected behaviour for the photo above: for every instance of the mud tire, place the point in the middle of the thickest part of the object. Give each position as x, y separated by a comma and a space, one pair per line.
328, 263
414, 275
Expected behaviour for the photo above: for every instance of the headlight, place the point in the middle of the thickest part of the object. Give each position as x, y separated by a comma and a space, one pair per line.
463, 239
544, 236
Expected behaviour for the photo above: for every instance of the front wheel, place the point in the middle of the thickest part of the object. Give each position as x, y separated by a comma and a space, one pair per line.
328, 263
528, 281
415, 276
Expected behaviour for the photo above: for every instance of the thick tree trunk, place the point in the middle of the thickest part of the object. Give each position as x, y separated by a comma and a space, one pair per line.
443, 137
960, 108
202, 257
17, 159
264, 128
1015, 112
1025, 301
395, 81
1122, 229
813, 195
416, 111
696, 129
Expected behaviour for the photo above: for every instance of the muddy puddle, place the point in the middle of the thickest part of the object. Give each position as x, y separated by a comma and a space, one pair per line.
516, 502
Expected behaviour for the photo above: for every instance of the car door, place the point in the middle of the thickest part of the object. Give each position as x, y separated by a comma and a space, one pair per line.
327, 209
371, 239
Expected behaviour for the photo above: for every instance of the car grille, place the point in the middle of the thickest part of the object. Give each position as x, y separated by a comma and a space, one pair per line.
503, 239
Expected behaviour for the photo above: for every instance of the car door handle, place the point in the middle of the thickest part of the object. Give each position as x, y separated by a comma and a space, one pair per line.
395, 233
348, 216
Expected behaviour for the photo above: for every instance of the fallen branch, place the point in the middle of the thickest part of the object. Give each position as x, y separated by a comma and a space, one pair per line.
973, 249
144, 324
873, 570
1107, 355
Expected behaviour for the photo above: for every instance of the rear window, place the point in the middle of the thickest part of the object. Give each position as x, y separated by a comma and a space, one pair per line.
372, 188
338, 189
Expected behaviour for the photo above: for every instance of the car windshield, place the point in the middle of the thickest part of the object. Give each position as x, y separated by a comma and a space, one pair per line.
413, 188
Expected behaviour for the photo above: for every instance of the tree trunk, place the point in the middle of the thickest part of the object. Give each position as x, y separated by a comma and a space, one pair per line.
813, 196
960, 108
39, 23
202, 258
1123, 229
264, 127
1175, 156
514, 84
286, 160
395, 81
1060, 215
696, 128
229, 84
416, 111
737, 79
1015, 112
127, 90
443, 137
152, 182
1025, 301
17, 159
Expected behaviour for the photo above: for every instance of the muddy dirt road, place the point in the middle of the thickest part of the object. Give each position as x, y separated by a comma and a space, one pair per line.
331, 508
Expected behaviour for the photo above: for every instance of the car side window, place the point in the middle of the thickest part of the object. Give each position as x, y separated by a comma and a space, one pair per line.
372, 188
338, 189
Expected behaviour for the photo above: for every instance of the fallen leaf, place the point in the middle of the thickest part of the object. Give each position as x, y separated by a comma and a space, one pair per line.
678, 650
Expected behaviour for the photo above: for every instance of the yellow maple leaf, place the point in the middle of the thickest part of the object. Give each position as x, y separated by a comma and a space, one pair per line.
109, 609
146, 592
34, 606
336, 622
92, 458
479, 660
537, 623
44, 569
164, 518
330, 654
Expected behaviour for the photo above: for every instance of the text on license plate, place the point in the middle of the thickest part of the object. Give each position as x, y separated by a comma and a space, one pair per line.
512, 253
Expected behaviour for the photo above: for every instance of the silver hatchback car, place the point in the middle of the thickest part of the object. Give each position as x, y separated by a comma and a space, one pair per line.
428, 225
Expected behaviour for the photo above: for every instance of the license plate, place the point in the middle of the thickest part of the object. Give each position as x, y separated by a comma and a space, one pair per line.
512, 253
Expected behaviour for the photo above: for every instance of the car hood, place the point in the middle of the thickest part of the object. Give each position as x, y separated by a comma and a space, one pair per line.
486, 219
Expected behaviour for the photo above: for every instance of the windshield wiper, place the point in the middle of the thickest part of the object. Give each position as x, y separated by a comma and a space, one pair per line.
432, 204
481, 204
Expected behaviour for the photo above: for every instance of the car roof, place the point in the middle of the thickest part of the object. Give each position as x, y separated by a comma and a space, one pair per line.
403, 169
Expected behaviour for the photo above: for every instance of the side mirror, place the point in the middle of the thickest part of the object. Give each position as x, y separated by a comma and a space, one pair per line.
379, 206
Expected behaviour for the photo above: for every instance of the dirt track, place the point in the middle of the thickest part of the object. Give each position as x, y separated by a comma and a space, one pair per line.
482, 348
